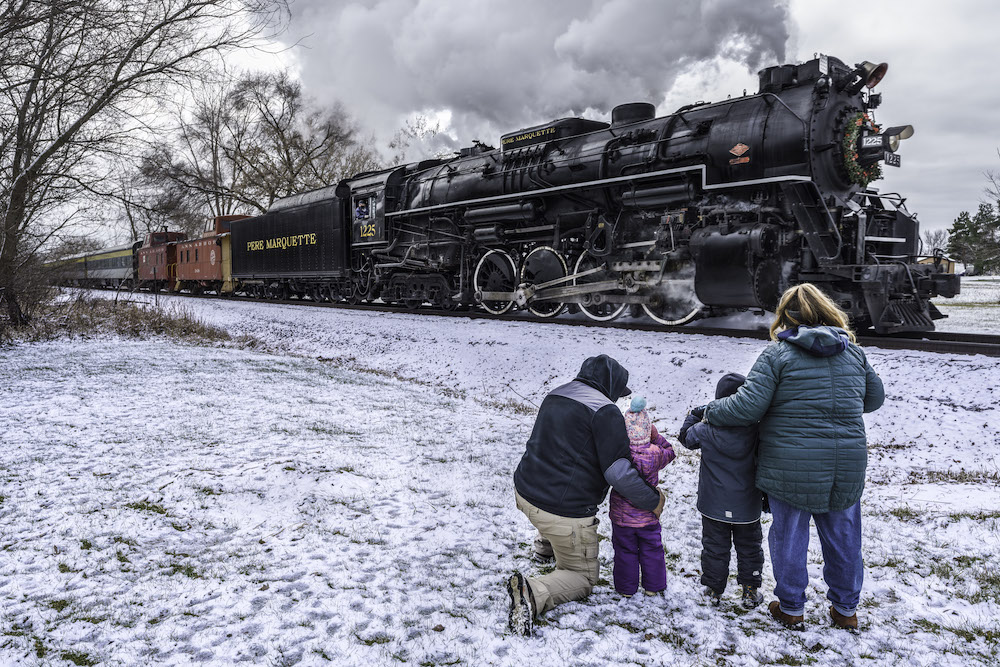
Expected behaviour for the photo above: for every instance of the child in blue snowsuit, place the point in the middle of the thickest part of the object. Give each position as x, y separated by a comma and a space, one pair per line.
729, 502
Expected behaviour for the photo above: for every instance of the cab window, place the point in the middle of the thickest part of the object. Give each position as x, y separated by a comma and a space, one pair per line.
362, 208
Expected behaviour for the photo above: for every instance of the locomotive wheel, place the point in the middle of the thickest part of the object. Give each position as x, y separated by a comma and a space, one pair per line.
495, 273
675, 300
604, 311
540, 266
441, 299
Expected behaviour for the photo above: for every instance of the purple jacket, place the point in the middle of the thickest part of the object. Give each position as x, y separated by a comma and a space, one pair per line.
649, 459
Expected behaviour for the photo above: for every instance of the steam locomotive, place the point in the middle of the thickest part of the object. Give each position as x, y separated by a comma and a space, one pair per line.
715, 207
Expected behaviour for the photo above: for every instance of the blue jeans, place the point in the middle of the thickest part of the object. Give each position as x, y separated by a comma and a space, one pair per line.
839, 534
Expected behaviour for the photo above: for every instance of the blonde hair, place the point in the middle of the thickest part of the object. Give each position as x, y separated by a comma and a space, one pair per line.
806, 304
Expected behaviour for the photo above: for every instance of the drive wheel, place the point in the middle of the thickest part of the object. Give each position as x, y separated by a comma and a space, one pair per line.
675, 302
495, 273
601, 311
540, 266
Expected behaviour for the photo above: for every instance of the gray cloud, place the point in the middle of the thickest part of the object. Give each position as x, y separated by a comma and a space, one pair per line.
501, 65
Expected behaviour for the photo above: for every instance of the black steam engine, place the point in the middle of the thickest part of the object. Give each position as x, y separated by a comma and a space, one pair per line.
715, 207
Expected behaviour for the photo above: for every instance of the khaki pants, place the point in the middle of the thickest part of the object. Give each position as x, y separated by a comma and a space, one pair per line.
574, 544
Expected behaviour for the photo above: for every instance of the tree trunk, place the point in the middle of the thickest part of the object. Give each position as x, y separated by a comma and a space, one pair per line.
12, 225
14, 312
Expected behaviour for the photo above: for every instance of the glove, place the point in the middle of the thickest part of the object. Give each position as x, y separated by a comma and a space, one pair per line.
765, 504
659, 507
689, 421
699, 412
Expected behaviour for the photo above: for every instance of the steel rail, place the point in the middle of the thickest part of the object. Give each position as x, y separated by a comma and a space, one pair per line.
941, 342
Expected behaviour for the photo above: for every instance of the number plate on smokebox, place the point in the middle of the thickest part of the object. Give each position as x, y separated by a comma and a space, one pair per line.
892, 159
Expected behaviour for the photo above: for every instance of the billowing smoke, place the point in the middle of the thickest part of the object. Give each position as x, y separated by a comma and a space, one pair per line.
498, 65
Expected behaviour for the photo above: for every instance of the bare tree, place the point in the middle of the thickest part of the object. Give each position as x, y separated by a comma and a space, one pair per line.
78, 78
193, 170
142, 207
240, 148
992, 190
935, 238
418, 139
293, 144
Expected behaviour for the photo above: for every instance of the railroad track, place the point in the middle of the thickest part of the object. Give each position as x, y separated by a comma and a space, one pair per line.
934, 341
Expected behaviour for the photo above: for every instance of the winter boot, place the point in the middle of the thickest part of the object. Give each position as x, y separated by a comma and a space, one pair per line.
521, 607
714, 598
849, 623
543, 551
787, 620
751, 597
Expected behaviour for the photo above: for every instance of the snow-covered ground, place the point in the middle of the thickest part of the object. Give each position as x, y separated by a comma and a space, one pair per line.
976, 309
344, 495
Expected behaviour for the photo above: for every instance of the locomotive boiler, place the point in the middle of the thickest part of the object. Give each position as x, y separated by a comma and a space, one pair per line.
714, 207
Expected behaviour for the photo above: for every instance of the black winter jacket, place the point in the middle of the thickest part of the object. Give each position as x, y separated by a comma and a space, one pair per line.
726, 488
579, 446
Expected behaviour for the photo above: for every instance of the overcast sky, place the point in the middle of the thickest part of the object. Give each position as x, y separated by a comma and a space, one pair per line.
486, 67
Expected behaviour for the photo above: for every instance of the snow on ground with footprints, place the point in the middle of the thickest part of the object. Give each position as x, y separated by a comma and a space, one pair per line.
339, 490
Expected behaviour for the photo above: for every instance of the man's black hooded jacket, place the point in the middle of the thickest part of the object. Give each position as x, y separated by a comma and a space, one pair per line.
579, 446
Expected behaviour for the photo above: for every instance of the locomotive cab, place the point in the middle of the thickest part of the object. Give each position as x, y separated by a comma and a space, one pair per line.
369, 197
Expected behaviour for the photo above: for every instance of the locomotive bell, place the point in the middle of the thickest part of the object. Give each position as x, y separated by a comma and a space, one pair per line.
867, 74
873, 73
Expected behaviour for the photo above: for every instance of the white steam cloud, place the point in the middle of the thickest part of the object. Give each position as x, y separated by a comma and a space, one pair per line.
498, 65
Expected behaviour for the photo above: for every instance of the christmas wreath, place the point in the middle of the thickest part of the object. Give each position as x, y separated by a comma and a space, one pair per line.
855, 172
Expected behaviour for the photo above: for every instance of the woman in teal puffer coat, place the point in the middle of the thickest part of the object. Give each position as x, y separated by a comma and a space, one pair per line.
808, 391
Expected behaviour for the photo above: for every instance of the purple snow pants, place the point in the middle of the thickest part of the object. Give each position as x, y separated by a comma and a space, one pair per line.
635, 549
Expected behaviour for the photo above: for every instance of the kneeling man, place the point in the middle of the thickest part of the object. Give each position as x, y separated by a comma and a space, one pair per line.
578, 447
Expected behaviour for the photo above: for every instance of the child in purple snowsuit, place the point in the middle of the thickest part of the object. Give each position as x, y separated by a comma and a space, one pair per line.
635, 533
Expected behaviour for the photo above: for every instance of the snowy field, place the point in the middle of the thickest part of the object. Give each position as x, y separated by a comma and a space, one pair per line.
343, 494
976, 309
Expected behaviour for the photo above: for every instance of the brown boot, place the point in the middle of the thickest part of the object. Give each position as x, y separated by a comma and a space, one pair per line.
849, 623
790, 622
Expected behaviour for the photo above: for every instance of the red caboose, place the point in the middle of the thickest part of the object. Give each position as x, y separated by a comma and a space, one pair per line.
158, 259
203, 264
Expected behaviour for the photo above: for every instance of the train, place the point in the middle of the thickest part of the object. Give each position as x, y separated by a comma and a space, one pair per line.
714, 208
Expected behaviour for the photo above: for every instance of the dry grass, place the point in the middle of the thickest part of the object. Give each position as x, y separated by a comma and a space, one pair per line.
951, 476
89, 317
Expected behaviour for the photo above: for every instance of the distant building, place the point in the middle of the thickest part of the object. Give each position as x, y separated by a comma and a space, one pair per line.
947, 263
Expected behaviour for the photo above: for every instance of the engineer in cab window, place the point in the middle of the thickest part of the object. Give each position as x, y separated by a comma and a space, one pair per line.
361, 211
